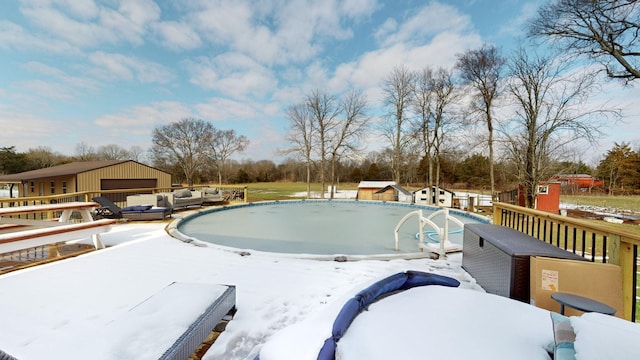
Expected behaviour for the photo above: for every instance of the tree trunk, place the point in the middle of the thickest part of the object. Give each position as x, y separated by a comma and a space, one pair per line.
333, 176
308, 180
491, 172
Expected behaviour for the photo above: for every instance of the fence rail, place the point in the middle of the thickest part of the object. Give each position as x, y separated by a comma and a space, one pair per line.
118, 196
597, 242
8, 261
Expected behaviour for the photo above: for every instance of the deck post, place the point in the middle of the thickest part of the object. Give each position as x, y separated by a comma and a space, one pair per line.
497, 215
626, 261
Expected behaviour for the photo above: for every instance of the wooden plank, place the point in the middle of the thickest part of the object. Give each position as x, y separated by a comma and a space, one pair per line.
34, 209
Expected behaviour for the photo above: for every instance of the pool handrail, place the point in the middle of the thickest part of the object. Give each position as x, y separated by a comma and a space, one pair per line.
443, 233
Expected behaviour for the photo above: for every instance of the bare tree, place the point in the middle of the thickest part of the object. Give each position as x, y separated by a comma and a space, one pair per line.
300, 136
112, 152
43, 157
136, 153
550, 113
183, 144
398, 90
225, 143
481, 69
604, 30
85, 152
345, 138
444, 96
324, 109
423, 125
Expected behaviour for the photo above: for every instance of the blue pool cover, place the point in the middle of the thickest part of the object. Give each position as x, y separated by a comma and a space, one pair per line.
361, 301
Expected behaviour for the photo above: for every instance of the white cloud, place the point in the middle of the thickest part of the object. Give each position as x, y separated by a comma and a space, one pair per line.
178, 36
132, 19
76, 83
120, 67
219, 109
427, 22
516, 25
14, 36
15, 121
233, 74
390, 26
81, 9
431, 37
88, 25
359, 8
275, 33
51, 90
143, 118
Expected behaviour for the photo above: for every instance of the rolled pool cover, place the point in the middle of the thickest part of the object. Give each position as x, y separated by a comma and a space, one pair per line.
378, 290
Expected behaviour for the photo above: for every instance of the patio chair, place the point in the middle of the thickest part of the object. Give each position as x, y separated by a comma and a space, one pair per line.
110, 210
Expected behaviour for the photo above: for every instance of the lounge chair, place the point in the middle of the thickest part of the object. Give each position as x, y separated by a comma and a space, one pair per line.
110, 210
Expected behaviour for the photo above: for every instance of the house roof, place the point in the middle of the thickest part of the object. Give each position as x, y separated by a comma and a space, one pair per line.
375, 184
61, 170
397, 187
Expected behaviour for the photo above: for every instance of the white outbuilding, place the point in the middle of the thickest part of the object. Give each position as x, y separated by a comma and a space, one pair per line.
427, 196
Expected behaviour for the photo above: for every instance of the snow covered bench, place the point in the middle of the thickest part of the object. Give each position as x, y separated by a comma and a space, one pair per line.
45, 232
169, 324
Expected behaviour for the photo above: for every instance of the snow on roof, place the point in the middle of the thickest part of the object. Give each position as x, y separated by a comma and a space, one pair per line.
433, 187
397, 187
375, 184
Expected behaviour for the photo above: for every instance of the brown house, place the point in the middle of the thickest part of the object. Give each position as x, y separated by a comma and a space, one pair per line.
87, 176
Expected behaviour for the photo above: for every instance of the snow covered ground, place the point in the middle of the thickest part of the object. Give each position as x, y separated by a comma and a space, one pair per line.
339, 194
286, 306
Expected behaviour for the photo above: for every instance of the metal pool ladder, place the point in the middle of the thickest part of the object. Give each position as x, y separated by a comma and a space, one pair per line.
443, 233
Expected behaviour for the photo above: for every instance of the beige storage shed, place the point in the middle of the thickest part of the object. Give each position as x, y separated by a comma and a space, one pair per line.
367, 189
88, 176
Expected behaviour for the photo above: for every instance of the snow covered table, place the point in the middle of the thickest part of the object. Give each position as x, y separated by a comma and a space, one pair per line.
44, 232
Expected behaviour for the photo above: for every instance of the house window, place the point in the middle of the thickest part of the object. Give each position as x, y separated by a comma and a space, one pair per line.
52, 184
543, 189
33, 187
64, 187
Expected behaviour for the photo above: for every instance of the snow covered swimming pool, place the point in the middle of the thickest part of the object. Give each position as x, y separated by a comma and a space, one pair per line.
323, 227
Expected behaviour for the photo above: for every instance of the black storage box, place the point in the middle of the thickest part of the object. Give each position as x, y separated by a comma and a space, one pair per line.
498, 258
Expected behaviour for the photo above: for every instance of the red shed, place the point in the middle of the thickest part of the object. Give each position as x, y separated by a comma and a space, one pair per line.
548, 197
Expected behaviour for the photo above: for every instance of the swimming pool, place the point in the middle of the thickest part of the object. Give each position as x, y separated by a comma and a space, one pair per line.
323, 227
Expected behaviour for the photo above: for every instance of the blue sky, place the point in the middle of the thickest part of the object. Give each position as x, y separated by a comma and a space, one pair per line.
108, 72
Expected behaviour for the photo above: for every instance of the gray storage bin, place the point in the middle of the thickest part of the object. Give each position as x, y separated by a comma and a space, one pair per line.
498, 258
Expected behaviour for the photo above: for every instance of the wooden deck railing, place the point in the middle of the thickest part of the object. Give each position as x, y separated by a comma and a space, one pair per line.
598, 242
119, 196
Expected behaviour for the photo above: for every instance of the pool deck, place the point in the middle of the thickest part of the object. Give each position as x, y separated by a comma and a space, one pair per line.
57, 302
